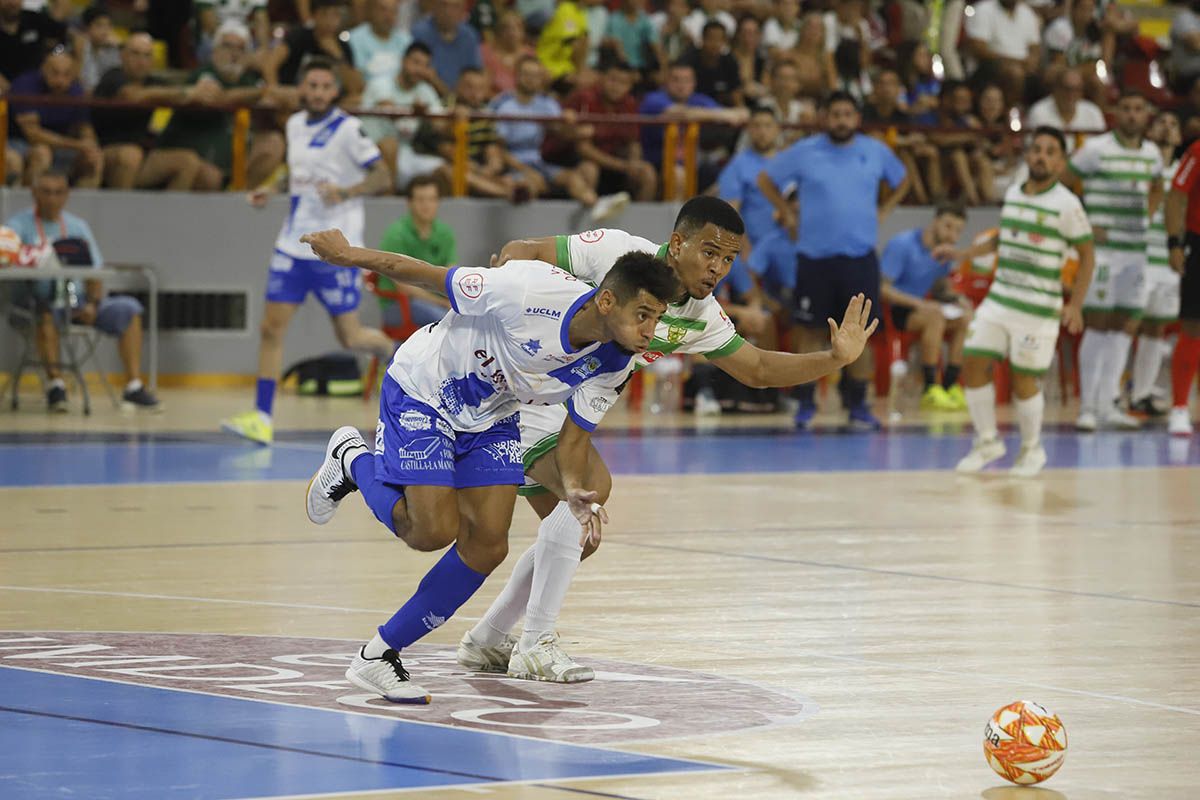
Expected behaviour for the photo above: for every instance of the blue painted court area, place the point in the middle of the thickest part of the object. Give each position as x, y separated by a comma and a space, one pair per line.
29, 459
63, 736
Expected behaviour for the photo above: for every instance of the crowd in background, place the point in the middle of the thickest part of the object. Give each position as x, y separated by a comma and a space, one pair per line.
975, 73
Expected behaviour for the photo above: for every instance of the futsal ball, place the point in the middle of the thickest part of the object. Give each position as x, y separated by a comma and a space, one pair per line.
1025, 743
10, 246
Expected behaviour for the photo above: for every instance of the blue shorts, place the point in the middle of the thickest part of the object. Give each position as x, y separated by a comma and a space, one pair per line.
416, 447
291, 279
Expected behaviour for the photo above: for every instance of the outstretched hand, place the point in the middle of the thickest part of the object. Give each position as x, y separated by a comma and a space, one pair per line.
848, 340
589, 513
330, 246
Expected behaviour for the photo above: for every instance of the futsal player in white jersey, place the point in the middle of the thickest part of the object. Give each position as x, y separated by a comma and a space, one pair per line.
1020, 318
331, 166
701, 249
1119, 176
1162, 282
447, 459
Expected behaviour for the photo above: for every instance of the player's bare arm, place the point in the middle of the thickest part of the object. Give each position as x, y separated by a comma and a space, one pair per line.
1073, 310
985, 248
331, 247
762, 369
543, 249
377, 182
1156, 197
571, 456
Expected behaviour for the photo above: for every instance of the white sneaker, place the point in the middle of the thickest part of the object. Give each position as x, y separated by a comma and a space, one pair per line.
485, 658
546, 661
1178, 422
609, 206
332, 481
1029, 462
983, 452
1086, 421
706, 404
386, 677
1117, 419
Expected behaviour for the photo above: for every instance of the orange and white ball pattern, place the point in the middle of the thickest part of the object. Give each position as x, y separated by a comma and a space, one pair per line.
1024, 742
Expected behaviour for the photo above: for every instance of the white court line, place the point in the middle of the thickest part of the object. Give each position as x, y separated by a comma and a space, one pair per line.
1000, 679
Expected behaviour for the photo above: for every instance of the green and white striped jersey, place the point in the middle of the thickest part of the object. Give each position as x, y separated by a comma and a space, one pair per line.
1036, 231
1116, 187
1156, 239
694, 326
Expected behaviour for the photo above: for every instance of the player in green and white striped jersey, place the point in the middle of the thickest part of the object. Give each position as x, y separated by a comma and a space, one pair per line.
1162, 293
1020, 317
1119, 175
701, 249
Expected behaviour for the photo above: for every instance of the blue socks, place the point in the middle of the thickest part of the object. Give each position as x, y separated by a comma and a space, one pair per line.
265, 395
380, 497
443, 589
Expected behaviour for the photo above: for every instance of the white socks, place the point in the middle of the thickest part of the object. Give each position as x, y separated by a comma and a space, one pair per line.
1093, 358
376, 647
556, 557
1029, 418
1118, 354
1147, 363
133, 385
506, 609
981, 403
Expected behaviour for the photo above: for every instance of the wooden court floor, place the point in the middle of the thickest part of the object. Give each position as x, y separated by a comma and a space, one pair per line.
882, 614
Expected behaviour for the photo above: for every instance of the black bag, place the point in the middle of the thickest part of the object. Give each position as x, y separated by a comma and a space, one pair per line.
334, 375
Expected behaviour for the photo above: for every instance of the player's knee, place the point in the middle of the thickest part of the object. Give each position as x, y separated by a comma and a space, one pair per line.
485, 553
271, 331
129, 158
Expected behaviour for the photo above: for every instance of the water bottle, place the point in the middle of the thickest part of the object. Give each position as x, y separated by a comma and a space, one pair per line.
666, 394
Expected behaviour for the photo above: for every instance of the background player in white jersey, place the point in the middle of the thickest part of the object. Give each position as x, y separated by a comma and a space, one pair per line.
1119, 176
1162, 282
1020, 317
331, 166
447, 456
701, 250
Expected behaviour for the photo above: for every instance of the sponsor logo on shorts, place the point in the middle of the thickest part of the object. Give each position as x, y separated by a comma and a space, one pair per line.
415, 421
1028, 342
549, 313
471, 285
599, 404
507, 452
444, 427
591, 237
422, 449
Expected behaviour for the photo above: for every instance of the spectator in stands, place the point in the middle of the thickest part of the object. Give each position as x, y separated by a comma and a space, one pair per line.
485, 16
818, 75
1185, 47
613, 148
377, 45
784, 98
1073, 39
535, 12
747, 52
500, 56
99, 50
838, 175
673, 37
47, 223
1066, 109
706, 12
25, 39
679, 99
410, 90
488, 161
922, 88
597, 23
209, 134
1001, 147
59, 136
452, 41
632, 37
738, 182
773, 261
1005, 37
211, 14
419, 234
962, 148
524, 143
911, 147
563, 45
717, 73
124, 134
848, 43
781, 32
281, 65
914, 269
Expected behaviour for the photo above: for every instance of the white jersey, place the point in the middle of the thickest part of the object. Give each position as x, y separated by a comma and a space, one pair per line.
335, 150
1116, 187
694, 326
505, 343
1036, 231
1156, 239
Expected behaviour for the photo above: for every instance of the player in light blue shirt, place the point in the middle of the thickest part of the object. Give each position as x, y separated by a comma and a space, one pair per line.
914, 268
738, 182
